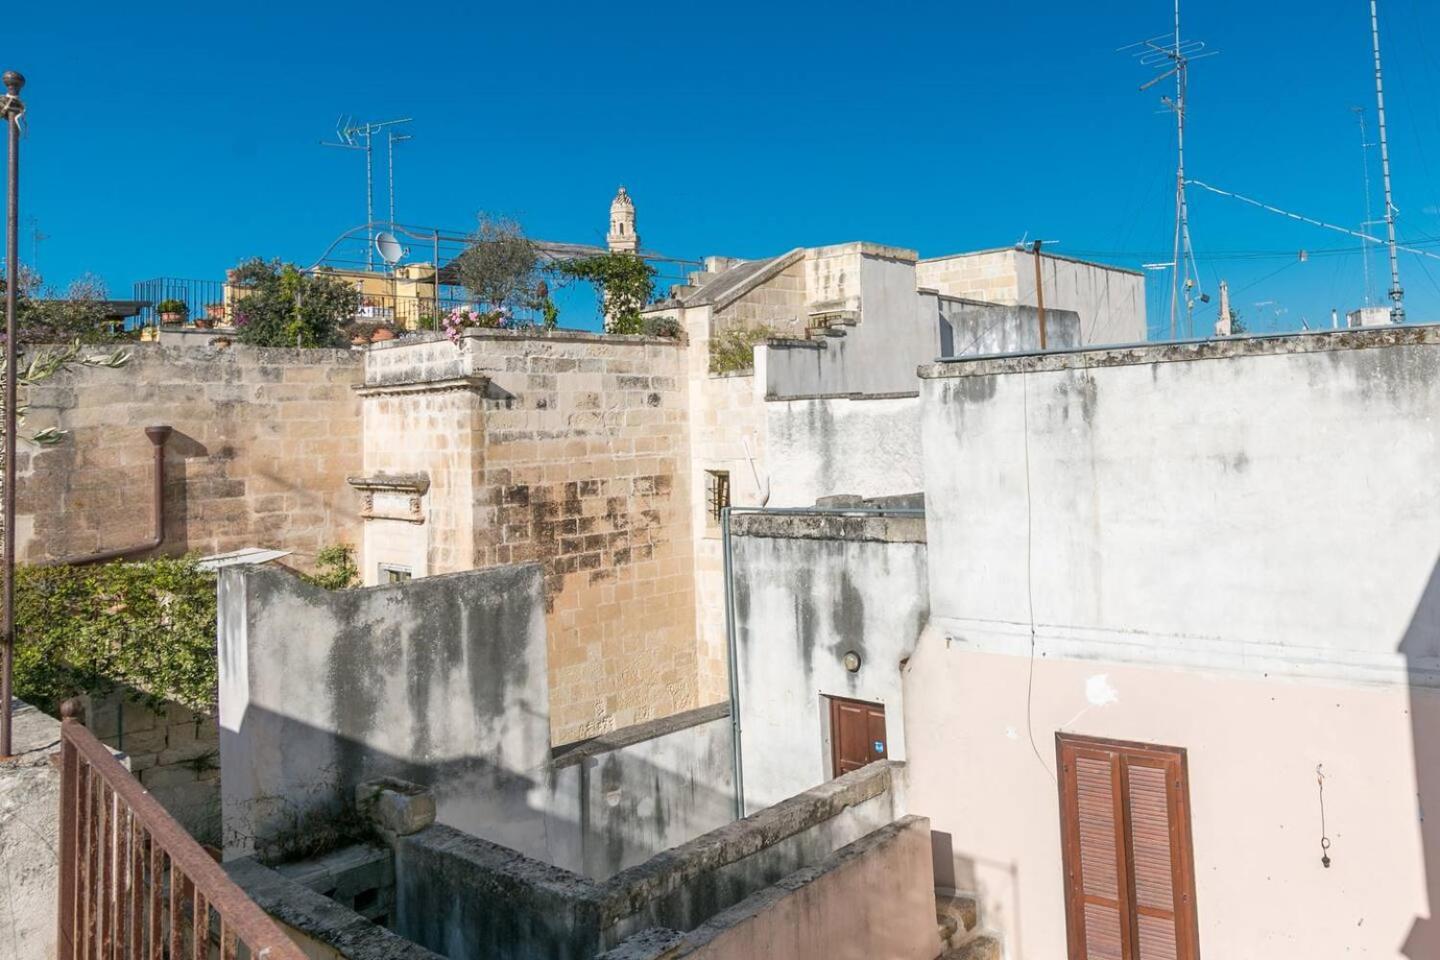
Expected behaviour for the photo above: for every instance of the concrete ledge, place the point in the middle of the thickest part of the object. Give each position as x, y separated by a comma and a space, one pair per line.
572, 753
538, 333
321, 918
668, 872
829, 526
801, 397
473, 384
1128, 355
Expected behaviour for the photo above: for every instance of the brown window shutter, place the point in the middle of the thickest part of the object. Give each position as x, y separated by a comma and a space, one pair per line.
1125, 827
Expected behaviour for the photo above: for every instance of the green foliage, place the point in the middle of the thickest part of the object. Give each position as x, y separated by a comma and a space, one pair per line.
662, 326
40, 365
1237, 324
281, 306
148, 627
172, 306
77, 314
625, 284
335, 568
501, 268
733, 349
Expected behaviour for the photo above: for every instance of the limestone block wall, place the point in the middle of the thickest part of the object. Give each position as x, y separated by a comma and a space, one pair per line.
576, 450
171, 749
779, 302
727, 434
263, 441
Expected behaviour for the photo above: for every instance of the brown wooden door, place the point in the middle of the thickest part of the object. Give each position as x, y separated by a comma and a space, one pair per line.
1129, 866
857, 734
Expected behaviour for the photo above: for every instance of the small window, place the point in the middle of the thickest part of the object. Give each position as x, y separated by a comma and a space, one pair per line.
392, 573
717, 495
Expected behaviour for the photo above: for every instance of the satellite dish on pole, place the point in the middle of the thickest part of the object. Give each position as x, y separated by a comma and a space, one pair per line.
388, 247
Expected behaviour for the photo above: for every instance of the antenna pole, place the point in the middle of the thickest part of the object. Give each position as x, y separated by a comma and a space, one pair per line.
390, 157
1365, 146
1397, 293
369, 197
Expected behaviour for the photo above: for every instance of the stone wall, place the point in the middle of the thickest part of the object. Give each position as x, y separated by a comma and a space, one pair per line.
808, 590
570, 450
1109, 300
172, 750
263, 441
440, 681
779, 303
1228, 548
29, 838
470, 899
825, 911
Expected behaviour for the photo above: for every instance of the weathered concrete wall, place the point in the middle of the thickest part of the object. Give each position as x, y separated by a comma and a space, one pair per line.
1109, 300
467, 898
570, 450
866, 446
644, 789
440, 681
892, 327
1231, 548
263, 441
833, 909
29, 838
809, 589
988, 328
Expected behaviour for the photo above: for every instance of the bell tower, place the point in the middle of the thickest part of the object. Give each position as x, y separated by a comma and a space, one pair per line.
622, 237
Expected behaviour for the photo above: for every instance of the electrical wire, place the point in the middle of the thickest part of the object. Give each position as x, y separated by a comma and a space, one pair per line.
1030, 582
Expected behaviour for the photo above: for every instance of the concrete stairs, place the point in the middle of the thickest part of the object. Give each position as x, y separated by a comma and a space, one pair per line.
957, 916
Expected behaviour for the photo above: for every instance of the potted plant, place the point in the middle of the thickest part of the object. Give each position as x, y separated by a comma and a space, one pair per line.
172, 311
382, 333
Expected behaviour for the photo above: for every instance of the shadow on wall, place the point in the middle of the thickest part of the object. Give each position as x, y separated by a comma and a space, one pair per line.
441, 681
1421, 649
179, 487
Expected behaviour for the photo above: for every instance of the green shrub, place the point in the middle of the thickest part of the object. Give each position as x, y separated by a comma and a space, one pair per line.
172, 306
335, 568
624, 282
733, 349
278, 305
147, 626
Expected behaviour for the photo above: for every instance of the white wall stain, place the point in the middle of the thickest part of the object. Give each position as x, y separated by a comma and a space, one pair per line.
1099, 691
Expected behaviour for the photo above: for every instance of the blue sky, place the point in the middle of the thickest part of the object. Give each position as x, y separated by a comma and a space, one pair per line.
175, 139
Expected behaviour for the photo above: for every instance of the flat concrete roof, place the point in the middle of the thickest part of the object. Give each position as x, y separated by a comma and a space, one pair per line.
1176, 351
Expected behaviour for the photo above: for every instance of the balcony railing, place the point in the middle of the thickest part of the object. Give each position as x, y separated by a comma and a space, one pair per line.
133, 883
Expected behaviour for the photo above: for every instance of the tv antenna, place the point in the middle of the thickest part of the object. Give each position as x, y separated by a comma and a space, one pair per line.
1174, 54
352, 135
1370, 221
1397, 293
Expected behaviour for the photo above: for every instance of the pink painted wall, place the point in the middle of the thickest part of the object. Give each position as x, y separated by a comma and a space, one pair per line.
876, 903
1253, 746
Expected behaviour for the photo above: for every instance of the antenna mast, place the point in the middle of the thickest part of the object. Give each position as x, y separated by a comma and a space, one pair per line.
361, 136
1397, 293
1365, 146
1176, 53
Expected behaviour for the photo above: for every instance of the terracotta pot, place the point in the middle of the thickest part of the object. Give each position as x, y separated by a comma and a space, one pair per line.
215, 311
382, 333
169, 317
203, 323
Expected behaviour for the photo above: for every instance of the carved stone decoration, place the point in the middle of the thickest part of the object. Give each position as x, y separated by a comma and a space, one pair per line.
392, 496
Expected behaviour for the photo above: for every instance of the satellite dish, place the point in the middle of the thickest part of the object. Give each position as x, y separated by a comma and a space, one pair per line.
388, 247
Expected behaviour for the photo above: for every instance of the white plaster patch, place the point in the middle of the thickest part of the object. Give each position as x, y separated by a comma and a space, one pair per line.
1011, 733
1099, 692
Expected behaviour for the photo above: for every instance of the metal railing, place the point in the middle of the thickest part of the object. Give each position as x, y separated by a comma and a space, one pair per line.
133, 883
202, 298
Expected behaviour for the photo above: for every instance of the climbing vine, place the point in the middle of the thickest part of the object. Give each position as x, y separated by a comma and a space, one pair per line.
625, 283
146, 627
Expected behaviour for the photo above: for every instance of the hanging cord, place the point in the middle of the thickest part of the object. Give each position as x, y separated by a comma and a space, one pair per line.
1030, 584
1324, 840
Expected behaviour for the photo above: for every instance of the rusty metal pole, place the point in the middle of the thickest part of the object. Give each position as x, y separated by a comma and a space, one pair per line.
12, 107
1039, 291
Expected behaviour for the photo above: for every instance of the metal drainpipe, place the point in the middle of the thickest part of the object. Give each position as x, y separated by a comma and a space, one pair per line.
732, 656
731, 646
159, 436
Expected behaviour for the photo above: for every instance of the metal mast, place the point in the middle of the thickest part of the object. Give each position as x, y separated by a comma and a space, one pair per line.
393, 138
1176, 53
1365, 146
361, 136
1397, 293
11, 109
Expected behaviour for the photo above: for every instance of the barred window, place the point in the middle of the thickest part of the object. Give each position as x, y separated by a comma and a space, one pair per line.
717, 493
